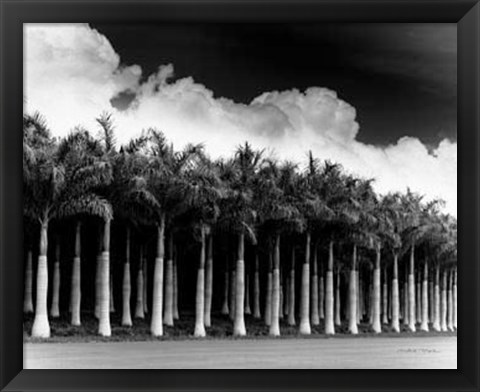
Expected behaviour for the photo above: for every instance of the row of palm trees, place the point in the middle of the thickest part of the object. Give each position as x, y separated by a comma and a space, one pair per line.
277, 211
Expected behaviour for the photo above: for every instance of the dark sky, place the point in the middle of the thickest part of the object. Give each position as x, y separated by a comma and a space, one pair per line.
401, 78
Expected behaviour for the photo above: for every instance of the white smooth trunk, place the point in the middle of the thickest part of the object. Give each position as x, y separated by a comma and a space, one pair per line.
200, 304
329, 327
28, 296
239, 320
305, 328
200, 292
275, 324
395, 296
411, 293
156, 326
436, 310
352, 298
425, 305
104, 296
41, 327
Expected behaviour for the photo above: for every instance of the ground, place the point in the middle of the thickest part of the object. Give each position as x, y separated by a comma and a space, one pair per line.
353, 353
133, 348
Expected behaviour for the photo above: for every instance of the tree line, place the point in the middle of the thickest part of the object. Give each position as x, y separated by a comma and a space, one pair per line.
349, 244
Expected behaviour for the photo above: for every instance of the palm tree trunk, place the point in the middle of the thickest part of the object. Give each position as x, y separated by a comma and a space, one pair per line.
232, 290
168, 308
225, 309
321, 295
55, 308
305, 295
200, 293
395, 295
424, 325
112, 304
385, 297
280, 312
431, 299
268, 294
376, 325
176, 315
352, 295
156, 327
28, 297
104, 305
329, 327
139, 308
418, 300
247, 294
239, 320
126, 285
98, 272
411, 291
359, 296
145, 283
454, 298
275, 325
291, 291
315, 318
436, 310
75, 293
256, 289
406, 307
209, 282
41, 327
450, 301
443, 303
338, 317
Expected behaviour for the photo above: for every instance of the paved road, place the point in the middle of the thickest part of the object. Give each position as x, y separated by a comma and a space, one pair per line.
345, 353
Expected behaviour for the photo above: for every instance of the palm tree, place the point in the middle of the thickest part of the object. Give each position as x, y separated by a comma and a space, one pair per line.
132, 203
315, 211
61, 182
201, 192
239, 216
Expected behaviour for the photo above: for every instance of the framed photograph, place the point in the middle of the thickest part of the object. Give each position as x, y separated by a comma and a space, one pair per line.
215, 186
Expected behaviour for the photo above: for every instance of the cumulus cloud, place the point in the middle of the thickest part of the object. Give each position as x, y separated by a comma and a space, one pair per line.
72, 72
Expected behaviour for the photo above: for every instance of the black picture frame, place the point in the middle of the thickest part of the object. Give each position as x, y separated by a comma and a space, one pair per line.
13, 13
